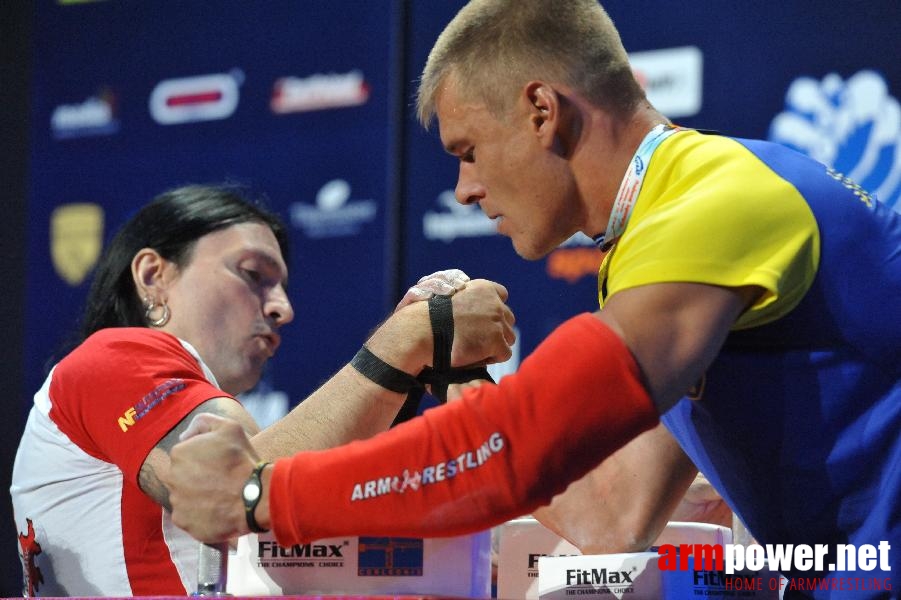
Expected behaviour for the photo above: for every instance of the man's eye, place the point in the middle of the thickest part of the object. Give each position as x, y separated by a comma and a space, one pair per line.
469, 156
253, 275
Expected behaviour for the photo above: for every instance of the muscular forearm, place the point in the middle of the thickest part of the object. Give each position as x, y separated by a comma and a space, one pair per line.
624, 503
349, 406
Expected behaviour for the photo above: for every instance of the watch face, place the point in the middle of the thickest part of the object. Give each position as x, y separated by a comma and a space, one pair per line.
251, 491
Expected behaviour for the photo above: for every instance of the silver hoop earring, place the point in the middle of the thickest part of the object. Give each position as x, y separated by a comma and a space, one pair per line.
148, 312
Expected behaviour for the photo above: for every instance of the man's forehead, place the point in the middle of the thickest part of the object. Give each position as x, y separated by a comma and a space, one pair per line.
452, 114
449, 99
244, 231
249, 236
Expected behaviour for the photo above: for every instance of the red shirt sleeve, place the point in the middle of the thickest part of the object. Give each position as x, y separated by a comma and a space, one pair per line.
124, 389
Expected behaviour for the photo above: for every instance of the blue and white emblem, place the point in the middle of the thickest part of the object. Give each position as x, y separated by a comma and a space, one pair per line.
852, 125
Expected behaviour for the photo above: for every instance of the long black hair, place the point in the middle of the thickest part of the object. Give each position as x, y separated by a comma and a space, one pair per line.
170, 224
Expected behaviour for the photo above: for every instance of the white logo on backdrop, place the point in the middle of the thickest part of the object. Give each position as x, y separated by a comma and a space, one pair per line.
852, 125
335, 214
672, 78
94, 116
456, 221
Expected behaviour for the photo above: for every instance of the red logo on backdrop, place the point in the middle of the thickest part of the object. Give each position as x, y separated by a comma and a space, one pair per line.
319, 91
191, 99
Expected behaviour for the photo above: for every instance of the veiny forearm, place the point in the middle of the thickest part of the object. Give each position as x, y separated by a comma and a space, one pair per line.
347, 407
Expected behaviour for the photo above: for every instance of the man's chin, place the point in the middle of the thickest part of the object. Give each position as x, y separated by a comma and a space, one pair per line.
528, 252
240, 388
244, 383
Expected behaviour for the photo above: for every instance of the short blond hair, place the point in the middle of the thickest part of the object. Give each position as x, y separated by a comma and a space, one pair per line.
492, 47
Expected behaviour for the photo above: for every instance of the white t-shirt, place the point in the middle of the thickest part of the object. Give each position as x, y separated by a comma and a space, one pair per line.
85, 527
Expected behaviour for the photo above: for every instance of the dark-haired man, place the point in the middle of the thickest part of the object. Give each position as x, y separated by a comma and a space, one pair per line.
186, 308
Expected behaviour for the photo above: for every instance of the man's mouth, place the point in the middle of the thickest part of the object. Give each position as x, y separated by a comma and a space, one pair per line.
271, 341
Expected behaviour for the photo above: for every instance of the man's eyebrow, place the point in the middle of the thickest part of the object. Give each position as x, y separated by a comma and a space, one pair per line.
271, 263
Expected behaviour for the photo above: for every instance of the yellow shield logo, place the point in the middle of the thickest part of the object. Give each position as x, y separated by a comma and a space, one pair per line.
76, 236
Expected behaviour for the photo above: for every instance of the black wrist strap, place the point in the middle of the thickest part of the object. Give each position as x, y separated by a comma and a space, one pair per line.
441, 316
378, 371
440, 374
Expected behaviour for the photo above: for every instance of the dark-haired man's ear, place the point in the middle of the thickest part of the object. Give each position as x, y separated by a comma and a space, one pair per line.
147, 271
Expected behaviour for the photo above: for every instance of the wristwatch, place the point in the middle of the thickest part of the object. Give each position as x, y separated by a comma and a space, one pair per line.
251, 494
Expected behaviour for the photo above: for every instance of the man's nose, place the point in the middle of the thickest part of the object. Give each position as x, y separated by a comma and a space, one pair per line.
278, 307
468, 190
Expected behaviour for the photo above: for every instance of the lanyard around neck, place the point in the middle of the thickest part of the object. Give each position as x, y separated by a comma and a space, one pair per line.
631, 185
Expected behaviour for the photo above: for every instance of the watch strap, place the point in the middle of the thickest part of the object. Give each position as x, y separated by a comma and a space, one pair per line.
250, 506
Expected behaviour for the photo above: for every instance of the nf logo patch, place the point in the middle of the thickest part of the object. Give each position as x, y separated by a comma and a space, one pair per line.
390, 557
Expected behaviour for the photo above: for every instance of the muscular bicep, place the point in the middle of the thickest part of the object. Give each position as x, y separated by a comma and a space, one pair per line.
157, 460
675, 330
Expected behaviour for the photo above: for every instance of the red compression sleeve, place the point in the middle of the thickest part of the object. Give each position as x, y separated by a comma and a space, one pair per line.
499, 452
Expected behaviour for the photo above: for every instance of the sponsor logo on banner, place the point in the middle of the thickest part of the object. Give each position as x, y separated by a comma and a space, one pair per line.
76, 237
576, 258
95, 116
318, 92
192, 99
335, 214
457, 221
852, 126
672, 78
390, 557
615, 581
271, 554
